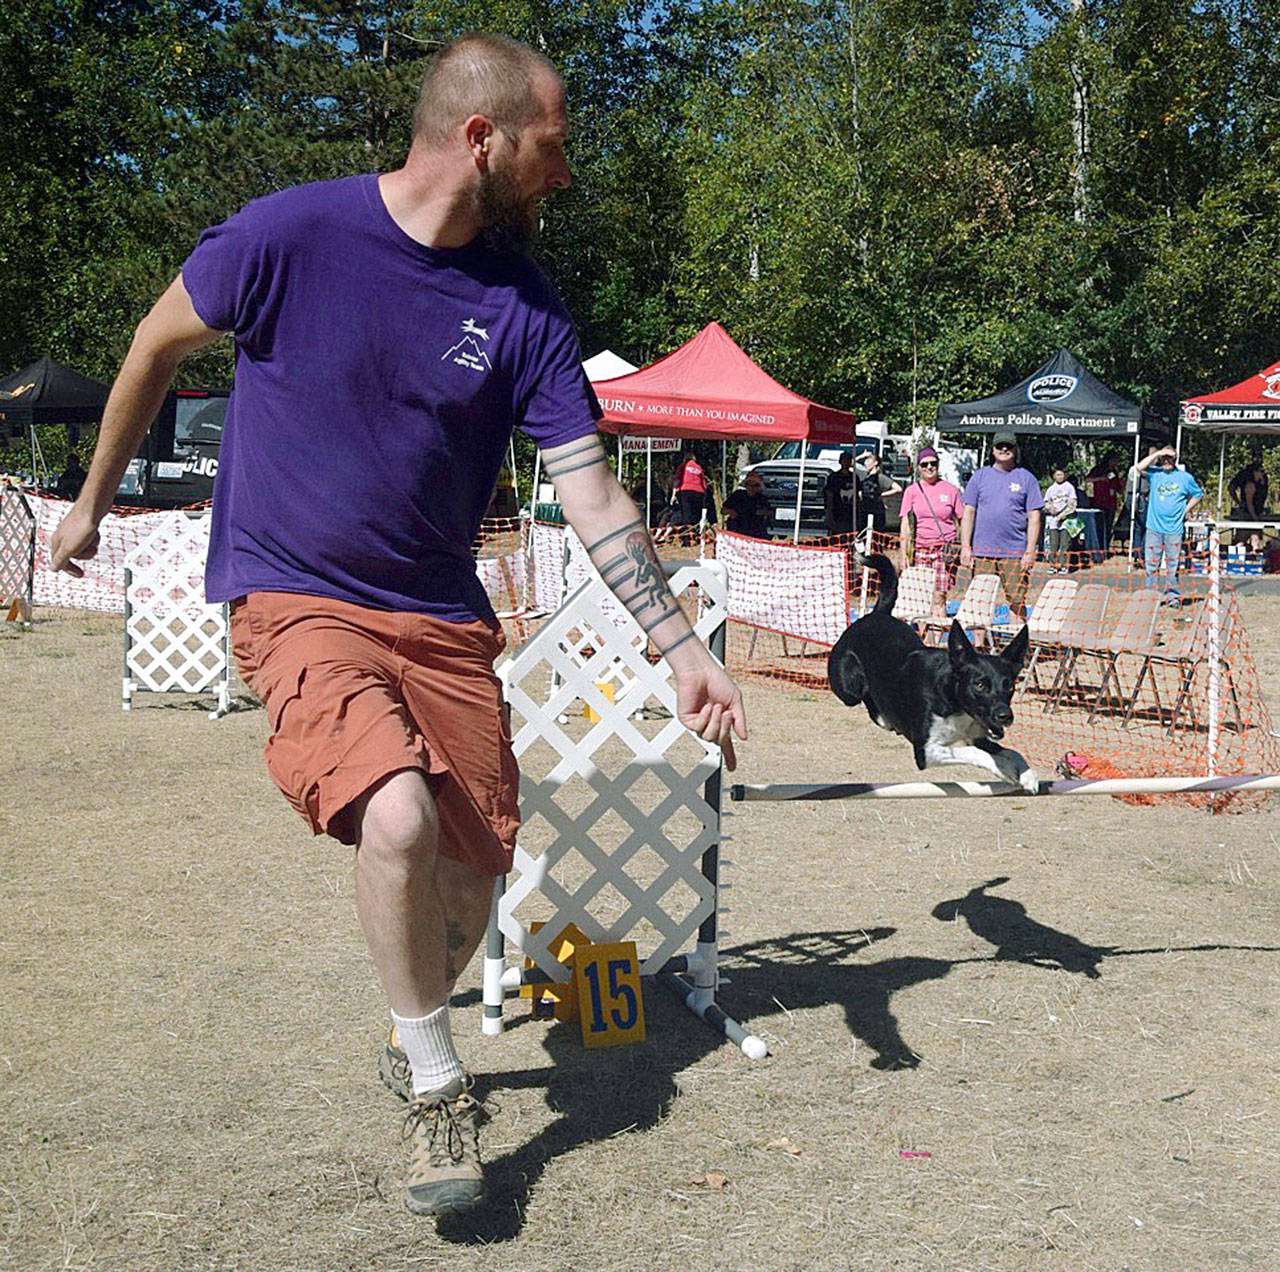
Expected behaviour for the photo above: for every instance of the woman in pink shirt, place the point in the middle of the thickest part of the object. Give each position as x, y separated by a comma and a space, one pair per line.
931, 525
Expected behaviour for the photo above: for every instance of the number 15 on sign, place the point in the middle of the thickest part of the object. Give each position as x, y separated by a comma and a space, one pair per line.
610, 1006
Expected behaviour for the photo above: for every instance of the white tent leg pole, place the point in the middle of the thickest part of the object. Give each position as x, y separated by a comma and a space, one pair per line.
1215, 602
1177, 443
1133, 497
648, 482
1222, 474
724, 468
804, 450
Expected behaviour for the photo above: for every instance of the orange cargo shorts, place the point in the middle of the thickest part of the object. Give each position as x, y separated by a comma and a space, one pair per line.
355, 694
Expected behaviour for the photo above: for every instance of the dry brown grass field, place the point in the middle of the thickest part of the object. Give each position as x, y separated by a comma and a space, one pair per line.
1006, 1035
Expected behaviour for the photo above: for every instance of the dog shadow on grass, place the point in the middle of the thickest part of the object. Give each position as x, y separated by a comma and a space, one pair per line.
605, 1093
1016, 936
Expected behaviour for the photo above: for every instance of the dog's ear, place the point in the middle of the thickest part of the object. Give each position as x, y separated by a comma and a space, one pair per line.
959, 647
1015, 652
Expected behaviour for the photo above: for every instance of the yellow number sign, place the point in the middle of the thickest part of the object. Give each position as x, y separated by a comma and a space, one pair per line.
610, 1005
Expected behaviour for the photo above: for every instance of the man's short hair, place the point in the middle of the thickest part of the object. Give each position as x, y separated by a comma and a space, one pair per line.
479, 74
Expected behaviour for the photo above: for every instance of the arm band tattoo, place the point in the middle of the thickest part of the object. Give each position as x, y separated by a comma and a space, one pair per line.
590, 446
630, 528
560, 467
675, 644
650, 623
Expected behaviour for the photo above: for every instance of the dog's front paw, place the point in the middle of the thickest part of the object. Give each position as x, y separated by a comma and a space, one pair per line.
1029, 780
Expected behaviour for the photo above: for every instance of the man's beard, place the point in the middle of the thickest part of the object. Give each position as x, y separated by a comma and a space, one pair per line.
509, 223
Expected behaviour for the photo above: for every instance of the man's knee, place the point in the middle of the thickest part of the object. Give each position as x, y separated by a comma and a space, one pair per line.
398, 822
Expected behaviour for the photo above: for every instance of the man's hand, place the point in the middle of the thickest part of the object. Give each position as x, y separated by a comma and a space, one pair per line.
966, 555
76, 538
1028, 559
709, 704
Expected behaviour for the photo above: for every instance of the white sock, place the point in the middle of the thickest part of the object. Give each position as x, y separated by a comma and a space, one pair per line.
428, 1042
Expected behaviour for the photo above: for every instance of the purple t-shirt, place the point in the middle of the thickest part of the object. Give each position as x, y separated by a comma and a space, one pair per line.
1001, 501
377, 383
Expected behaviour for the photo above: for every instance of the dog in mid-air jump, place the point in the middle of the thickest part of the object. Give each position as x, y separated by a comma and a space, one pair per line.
952, 705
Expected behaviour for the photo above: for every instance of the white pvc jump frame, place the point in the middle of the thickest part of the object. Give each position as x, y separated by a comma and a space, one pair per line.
693, 976
774, 791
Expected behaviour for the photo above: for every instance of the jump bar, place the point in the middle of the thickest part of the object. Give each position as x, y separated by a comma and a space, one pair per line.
740, 792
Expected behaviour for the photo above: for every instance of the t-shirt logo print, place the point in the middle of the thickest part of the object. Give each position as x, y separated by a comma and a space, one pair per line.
469, 352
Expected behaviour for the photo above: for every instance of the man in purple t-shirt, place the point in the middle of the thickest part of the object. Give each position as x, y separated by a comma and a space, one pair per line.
1000, 528
390, 332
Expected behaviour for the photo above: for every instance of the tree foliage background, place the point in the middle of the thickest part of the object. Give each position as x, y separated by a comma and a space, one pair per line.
883, 200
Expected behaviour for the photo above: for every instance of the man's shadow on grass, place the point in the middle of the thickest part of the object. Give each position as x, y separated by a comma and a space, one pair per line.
605, 1093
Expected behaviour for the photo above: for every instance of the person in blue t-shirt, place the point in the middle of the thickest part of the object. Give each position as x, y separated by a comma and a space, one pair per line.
1173, 493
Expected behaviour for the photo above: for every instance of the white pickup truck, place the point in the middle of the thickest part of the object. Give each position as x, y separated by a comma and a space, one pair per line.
781, 474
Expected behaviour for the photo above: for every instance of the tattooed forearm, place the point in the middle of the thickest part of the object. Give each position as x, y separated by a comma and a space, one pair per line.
634, 574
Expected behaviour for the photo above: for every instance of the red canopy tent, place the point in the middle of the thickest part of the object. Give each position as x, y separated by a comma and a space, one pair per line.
709, 389
1252, 406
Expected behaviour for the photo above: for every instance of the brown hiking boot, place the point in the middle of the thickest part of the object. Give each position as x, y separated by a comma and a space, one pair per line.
444, 1150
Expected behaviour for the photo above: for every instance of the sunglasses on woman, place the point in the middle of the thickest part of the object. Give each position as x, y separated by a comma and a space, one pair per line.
928, 463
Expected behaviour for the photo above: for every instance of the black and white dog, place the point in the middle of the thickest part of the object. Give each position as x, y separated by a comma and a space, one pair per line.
952, 705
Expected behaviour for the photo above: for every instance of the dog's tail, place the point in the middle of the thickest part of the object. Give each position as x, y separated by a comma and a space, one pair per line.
888, 577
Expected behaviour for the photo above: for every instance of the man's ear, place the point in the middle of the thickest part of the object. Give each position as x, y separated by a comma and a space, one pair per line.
959, 647
1015, 652
477, 130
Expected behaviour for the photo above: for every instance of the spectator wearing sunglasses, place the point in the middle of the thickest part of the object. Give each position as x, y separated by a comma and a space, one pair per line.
931, 525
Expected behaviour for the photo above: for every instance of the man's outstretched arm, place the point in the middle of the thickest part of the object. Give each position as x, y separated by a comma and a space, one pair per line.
163, 338
613, 532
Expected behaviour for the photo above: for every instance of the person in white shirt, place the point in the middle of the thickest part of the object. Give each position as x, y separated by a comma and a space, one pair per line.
1060, 502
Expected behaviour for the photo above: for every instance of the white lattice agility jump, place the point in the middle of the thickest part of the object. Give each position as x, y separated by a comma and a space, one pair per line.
17, 554
742, 792
620, 828
174, 641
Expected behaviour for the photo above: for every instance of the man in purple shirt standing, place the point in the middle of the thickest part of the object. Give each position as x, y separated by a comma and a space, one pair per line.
1000, 529
390, 332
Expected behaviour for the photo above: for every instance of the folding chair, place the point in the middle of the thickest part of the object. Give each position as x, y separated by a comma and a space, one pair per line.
977, 610
1188, 650
1080, 631
1044, 619
1134, 633
915, 594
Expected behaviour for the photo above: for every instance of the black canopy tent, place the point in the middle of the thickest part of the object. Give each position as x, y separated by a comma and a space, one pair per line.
46, 392
1062, 398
